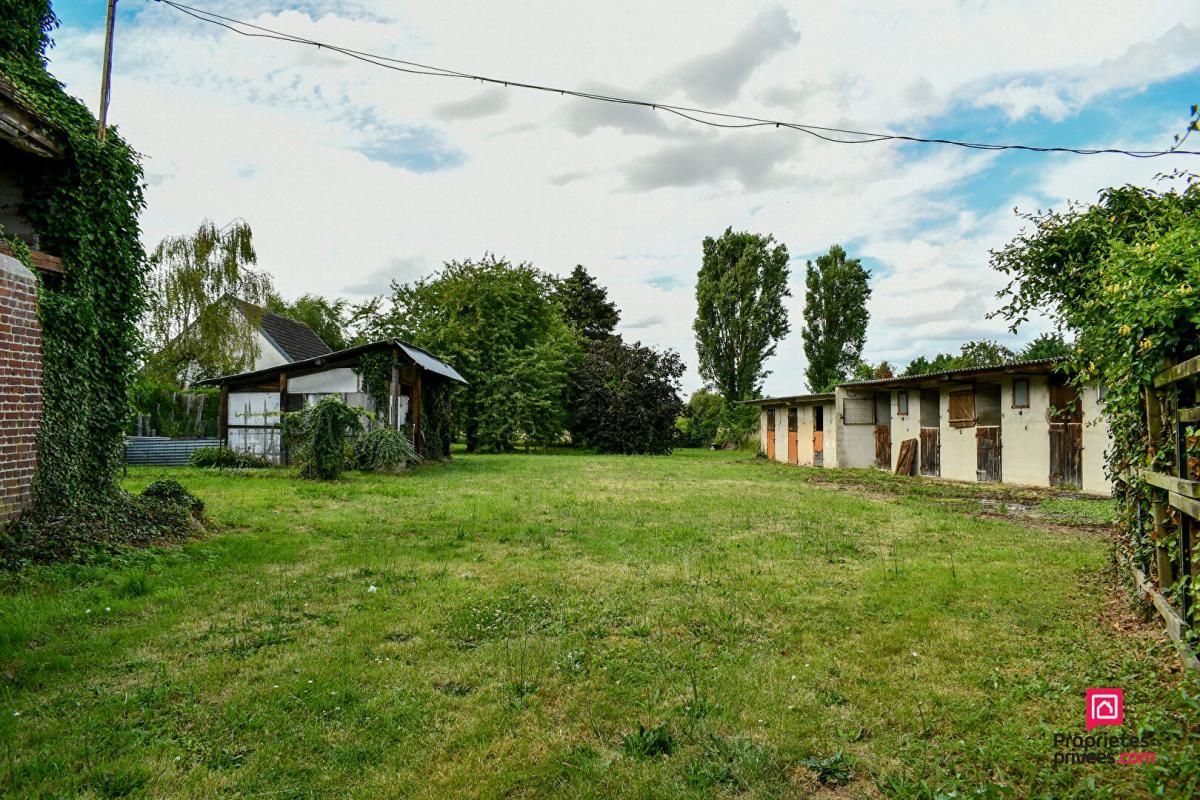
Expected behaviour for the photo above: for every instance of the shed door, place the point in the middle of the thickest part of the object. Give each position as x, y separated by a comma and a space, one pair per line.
818, 435
987, 442
883, 446
1066, 436
771, 433
931, 451
793, 449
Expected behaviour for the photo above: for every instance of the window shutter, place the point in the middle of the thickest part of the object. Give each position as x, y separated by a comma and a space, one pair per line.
962, 409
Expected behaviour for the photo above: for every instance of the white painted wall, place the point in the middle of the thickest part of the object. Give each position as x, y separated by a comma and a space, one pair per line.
331, 381
762, 431
1025, 433
830, 457
1097, 439
268, 355
855, 443
781, 434
254, 408
959, 454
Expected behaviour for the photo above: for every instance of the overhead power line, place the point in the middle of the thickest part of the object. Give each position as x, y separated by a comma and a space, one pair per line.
716, 119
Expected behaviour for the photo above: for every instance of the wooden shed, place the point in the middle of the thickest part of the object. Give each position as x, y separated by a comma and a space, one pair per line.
251, 402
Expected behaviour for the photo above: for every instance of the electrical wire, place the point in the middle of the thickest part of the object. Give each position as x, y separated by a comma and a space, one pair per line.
716, 119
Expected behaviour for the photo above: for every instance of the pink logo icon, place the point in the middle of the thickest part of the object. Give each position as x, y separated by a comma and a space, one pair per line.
1105, 707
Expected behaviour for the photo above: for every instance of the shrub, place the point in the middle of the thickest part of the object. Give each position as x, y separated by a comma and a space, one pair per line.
384, 450
227, 458
173, 492
649, 742
320, 438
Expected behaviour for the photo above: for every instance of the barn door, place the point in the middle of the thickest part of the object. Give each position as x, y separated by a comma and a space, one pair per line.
1066, 436
793, 449
987, 445
818, 436
771, 433
883, 446
931, 452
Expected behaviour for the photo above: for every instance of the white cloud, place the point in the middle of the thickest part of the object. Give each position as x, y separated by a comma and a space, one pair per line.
351, 175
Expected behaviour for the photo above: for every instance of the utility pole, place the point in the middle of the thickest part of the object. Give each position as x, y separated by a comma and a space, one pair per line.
106, 77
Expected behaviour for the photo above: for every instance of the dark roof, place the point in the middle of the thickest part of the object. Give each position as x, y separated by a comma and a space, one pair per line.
293, 338
1037, 365
420, 357
792, 400
24, 128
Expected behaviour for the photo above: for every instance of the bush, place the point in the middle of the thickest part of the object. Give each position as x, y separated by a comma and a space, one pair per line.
226, 458
384, 450
321, 437
701, 418
173, 492
164, 513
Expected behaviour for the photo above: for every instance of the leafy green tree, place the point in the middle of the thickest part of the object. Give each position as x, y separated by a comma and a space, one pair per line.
193, 329
866, 371
740, 316
585, 305
1046, 345
628, 396
701, 418
939, 363
836, 291
984, 353
326, 317
499, 324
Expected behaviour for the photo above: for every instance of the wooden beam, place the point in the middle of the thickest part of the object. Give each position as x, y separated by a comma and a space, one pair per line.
418, 442
283, 387
223, 417
1189, 414
1171, 483
1177, 373
1158, 510
42, 262
1188, 505
1175, 627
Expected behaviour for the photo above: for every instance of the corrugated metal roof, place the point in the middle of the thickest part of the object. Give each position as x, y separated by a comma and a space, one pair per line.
797, 399
421, 357
429, 361
960, 372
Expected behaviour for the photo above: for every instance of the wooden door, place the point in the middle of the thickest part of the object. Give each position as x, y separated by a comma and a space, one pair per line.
883, 446
987, 445
818, 413
771, 433
793, 445
931, 452
1066, 436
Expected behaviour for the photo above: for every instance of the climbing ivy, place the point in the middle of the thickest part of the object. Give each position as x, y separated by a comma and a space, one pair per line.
85, 207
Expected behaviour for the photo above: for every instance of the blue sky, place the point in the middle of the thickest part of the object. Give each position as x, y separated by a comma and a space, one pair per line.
352, 176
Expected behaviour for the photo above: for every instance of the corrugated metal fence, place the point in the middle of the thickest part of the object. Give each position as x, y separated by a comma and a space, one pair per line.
161, 451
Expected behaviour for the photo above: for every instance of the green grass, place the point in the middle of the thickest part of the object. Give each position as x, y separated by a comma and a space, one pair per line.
547, 626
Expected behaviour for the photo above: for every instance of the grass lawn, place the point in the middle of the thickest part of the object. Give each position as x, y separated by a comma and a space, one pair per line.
580, 626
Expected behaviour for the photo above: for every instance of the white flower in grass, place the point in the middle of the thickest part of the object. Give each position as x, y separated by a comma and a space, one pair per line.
914, 654
106, 608
372, 588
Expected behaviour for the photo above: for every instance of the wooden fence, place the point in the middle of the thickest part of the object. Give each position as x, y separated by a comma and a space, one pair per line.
1173, 511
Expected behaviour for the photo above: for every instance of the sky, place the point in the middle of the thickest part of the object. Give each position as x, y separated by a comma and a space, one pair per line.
352, 176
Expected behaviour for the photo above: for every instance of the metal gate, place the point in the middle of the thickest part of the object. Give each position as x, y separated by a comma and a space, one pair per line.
931, 452
987, 447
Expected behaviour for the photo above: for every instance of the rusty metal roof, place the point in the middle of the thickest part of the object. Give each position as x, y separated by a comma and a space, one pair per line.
792, 400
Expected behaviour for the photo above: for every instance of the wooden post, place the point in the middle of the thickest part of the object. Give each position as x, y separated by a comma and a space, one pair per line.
416, 414
223, 416
394, 394
1158, 509
106, 76
283, 385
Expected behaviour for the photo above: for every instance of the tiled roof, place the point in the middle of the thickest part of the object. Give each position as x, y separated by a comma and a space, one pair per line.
294, 339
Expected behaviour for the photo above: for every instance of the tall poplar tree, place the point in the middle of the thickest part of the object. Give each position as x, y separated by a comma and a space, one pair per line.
836, 291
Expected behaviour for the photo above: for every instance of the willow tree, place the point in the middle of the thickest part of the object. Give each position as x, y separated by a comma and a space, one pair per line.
740, 314
195, 327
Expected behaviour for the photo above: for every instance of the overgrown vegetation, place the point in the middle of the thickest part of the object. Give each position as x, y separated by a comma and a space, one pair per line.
1123, 276
530, 612
85, 207
227, 458
167, 410
384, 450
320, 439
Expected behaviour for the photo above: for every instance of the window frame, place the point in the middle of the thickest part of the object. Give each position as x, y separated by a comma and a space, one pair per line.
1028, 392
902, 410
962, 422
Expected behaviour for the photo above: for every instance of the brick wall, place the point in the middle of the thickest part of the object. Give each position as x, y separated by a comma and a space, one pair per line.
20, 384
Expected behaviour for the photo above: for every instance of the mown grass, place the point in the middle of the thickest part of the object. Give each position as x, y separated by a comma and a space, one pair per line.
547, 626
